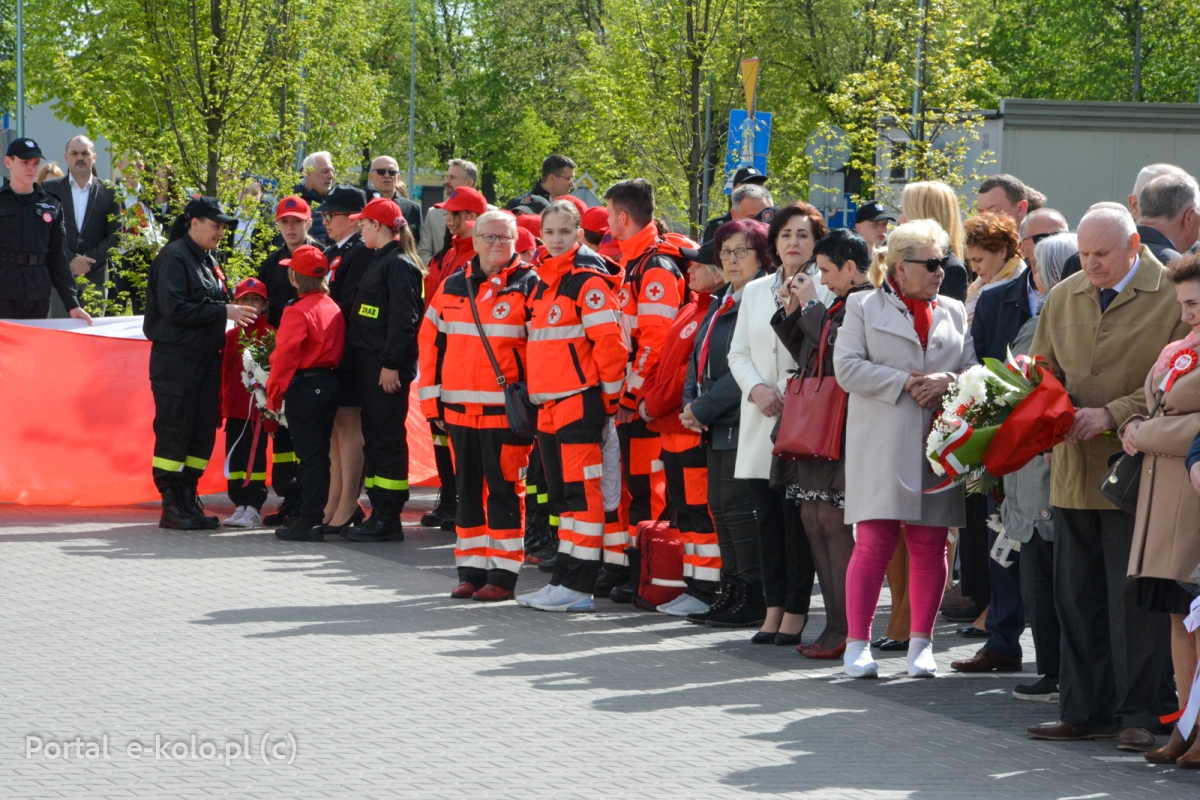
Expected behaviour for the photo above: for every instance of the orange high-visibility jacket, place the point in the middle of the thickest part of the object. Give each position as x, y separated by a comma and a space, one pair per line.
457, 379
575, 338
455, 256
649, 301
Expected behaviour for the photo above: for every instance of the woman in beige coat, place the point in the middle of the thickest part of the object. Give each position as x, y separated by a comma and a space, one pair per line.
1166, 535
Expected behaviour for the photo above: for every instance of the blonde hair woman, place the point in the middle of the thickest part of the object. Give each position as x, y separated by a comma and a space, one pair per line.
937, 201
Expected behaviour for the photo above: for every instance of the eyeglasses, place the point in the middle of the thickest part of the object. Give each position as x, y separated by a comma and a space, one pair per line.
931, 264
492, 238
737, 253
386, 172
1037, 237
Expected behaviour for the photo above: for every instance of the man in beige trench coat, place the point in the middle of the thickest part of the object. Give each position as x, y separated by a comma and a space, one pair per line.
1102, 329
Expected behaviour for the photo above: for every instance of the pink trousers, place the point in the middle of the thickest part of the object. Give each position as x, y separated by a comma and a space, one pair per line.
874, 545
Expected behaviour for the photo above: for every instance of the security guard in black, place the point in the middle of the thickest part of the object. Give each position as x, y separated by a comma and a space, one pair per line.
33, 241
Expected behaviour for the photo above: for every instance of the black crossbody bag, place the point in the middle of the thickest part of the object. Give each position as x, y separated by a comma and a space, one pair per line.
521, 414
1120, 486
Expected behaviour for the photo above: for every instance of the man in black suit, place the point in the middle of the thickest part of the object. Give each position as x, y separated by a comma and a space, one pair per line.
92, 215
384, 176
1168, 216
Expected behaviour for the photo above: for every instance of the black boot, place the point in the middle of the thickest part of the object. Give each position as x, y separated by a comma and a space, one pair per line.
191, 503
749, 610
304, 530
725, 596
174, 515
287, 513
383, 524
626, 591
445, 511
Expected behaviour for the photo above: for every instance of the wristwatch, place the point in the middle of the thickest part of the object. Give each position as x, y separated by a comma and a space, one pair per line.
811, 304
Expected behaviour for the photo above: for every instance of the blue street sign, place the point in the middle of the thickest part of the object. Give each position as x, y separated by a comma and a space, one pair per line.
738, 123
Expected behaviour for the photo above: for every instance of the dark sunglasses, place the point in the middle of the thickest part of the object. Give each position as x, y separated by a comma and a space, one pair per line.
1037, 237
931, 264
382, 172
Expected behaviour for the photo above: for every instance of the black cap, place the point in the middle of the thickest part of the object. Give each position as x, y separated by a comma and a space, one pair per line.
874, 210
748, 175
344, 199
208, 208
704, 254
529, 203
24, 149
767, 214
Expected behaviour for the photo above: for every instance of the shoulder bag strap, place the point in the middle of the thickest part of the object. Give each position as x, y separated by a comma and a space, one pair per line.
822, 348
483, 336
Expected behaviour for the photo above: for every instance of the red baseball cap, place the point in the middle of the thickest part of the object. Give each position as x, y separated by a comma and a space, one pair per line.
383, 211
595, 220
531, 223
575, 201
307, 260
525, 240
464, 198
293, 206
250, 286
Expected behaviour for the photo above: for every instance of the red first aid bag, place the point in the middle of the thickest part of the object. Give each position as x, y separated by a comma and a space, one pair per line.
660, 549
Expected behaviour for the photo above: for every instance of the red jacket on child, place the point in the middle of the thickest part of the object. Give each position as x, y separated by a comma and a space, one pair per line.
311, 334
235, 400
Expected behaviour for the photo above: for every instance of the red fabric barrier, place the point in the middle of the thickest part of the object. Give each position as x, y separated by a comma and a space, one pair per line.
76, 422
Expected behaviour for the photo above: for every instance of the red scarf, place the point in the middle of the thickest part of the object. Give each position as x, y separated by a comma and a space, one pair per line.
922, 313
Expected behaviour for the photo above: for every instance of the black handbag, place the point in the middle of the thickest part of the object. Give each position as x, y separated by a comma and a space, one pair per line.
520, 412
1120, 485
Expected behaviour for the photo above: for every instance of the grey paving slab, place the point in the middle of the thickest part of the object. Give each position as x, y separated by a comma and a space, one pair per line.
368, 681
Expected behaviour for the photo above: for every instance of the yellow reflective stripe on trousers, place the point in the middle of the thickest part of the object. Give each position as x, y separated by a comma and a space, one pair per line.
195, 463
440, 440
369, 482
167, 465
553, 520
283, 458
254, 476
543, 498
388, 483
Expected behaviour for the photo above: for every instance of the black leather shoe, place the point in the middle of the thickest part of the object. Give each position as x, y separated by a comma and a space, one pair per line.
375, 529
787, 639
611, 576
887, 645
174, 515
763, 637
725, 597
547, 564
302, 532
971, 632
621, 594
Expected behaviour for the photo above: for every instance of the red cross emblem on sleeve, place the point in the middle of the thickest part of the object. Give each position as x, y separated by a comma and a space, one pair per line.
655, 291
594, 299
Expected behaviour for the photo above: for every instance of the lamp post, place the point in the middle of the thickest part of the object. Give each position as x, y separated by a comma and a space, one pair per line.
20, 68
412, 101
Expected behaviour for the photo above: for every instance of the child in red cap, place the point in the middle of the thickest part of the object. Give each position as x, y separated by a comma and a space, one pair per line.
308, 348
246, 475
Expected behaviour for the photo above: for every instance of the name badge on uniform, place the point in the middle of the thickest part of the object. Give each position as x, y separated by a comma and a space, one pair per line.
365, 310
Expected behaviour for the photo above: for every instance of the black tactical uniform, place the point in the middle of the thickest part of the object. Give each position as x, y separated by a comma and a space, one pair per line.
185, 323
348, 262
33, 248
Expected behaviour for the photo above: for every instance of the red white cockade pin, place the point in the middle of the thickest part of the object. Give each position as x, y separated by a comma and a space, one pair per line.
1183, 362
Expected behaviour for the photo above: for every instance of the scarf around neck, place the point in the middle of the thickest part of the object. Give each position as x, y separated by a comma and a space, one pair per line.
921, 311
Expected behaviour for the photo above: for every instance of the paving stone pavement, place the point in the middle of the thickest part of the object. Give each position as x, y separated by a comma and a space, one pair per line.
369, 682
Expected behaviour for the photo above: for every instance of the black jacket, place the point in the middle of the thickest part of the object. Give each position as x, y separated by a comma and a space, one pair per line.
955, 282
101, 223
717, 401
1162, 247
33, 254
280, 291
1000, 312
317, 231
386, 312
185, 301
347, 265
710, 230
408, 209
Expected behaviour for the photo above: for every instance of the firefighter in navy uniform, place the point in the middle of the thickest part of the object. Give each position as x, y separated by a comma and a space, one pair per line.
33, 256
382, 332
187, 305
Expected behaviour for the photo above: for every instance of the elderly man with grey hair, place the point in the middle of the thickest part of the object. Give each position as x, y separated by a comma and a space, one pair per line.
749, 200
384, 180
432, 240
318, 180
1168, 216
1101, 331
1038, 225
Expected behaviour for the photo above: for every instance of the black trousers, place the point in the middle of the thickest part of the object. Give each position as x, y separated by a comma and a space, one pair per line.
284, 464
239, 437
187, 397
731, 502
973, 552
385, 436
24, 309
1006, 610
1116, 658
1037, 591
638, 452
448, 493
490, 467
787, 562
535, 481
311, 404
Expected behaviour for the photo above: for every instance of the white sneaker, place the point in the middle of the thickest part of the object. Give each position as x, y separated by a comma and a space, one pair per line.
560, 598
858, 662
252, 519
237, 518
529, 598
920, 659
683, 605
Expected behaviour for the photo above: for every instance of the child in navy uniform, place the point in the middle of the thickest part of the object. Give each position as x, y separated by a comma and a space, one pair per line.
308, 348
235, 407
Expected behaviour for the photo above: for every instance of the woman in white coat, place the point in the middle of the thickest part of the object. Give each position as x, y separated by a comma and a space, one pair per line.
760, 364
898, 351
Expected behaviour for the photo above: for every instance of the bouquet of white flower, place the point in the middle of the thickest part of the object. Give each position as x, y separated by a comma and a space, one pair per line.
256, 369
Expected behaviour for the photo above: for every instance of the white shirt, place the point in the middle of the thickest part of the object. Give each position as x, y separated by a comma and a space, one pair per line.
1120, 287
80, 196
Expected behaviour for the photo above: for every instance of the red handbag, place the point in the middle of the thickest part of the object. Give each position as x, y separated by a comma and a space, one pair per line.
814, 413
